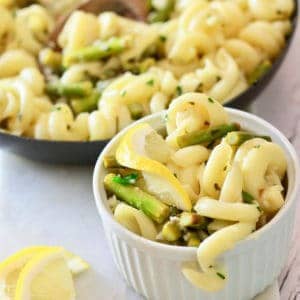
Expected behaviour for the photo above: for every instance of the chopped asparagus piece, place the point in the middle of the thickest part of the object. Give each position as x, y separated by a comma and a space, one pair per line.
163, 14
136, 110
50, 59
87, 104
110, 161
80, 89
192, 239
98, 51
206, 135
171, 231
237, 138
134, 196
188, 219
259, 72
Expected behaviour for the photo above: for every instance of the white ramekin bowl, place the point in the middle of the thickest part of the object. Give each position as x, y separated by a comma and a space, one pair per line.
154, 269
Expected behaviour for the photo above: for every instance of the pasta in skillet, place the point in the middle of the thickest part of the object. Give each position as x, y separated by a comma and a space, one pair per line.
108, 70
229, 183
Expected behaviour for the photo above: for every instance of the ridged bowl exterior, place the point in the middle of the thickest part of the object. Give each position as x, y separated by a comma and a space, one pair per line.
154, 270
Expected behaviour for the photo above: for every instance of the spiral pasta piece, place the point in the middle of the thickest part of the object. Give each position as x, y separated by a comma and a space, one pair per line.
32, 26
220, 77
264, 36
12, 62
135, 221
21, 103
80, 30
263, 166
271, 10
152, 90
212, 277
191, 112
7, 28
196, 34
216, 169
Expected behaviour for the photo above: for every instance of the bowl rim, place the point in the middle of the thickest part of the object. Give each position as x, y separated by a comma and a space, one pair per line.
189, 252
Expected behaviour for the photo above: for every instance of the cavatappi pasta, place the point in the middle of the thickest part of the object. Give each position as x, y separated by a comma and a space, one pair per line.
107, 70
205, 183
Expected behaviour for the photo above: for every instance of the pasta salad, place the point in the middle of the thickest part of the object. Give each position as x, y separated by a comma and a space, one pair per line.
103, 72
203, 182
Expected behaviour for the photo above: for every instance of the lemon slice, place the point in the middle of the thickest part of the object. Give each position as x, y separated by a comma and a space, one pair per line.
46, 276
11, 267
141, 148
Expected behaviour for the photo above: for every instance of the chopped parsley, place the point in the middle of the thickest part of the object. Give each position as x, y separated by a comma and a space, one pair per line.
162, 38
126, 180
247, 198
211, 100
257, 146
178, 90
123, 93
150, 82
222, 276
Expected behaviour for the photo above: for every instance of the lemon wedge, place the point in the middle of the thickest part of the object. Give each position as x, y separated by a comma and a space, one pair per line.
11, 267
46, 276
141, 148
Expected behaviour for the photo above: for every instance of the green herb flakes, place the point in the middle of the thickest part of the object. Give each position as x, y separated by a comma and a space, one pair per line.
126, 180
179, 90
222, 276
247, 198
150, 82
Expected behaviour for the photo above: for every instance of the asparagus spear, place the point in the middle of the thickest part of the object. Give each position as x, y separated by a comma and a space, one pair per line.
134, 196
80, 89
259, 72
51, 59
171, 231
237, 138
163, 14
206, 135
100, 50
193, 220
87, 104
136, 110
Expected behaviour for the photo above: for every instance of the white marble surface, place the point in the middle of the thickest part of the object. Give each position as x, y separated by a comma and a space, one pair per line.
43, 204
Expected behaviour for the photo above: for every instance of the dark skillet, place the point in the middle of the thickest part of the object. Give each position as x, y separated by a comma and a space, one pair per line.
83, 153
